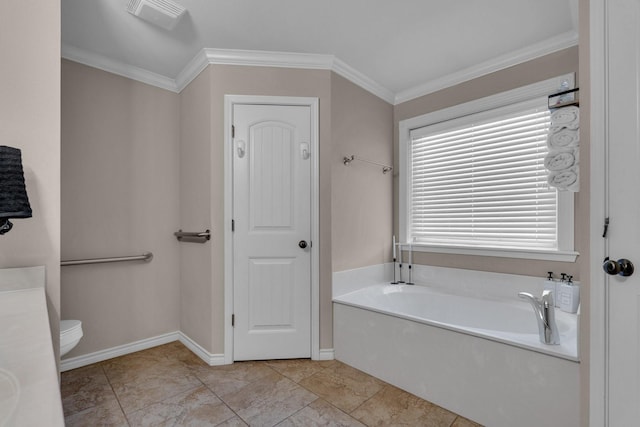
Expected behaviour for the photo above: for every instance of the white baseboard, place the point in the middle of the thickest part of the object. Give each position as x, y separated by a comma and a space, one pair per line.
209, 358
327, 354
121, 350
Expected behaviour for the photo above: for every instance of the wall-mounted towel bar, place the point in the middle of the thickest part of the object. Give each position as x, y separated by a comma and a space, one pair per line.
147, 256
348, 159
189, 236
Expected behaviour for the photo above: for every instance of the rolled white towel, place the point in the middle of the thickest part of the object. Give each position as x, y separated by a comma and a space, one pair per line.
567, 117
560, 160
563, 138
566, 180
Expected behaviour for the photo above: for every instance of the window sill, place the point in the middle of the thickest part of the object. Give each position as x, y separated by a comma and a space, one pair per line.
544, 255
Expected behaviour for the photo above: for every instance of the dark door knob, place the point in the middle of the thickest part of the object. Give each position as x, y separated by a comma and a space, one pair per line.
622, 267
302, 244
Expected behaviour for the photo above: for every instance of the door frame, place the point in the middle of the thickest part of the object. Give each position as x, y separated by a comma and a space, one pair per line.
229, 102
599, 135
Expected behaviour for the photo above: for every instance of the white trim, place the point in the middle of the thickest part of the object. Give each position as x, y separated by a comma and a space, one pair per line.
326, 354
209, 358
544, 255
565, 200
498, 100
354, 76
207, 56
120, 350
313, 103
261, 58
144, 344
116, 67
256, 58
597, 332
554, 44
191, 70
228, 234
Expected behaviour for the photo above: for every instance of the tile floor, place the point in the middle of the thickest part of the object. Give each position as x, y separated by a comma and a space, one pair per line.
170, 386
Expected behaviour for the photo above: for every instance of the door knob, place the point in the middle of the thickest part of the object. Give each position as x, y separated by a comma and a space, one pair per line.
622, 267
302, 244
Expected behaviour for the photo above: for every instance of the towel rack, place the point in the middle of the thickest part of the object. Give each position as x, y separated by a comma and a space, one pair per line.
190, 236
147, 256
348, 159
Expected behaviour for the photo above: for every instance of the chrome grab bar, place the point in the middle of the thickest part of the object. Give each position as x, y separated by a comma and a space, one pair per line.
147, 256
200, 237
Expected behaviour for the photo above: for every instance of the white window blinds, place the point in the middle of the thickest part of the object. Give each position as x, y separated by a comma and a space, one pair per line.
479, 180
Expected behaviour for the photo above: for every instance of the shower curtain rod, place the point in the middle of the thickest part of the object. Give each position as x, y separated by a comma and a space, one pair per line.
348, 159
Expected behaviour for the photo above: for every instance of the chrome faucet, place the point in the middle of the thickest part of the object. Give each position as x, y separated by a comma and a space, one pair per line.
545, 315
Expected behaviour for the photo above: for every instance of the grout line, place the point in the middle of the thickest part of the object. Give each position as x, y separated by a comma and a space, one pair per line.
104, 372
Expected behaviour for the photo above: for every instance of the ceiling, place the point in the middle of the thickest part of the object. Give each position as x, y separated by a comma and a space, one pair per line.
402, 48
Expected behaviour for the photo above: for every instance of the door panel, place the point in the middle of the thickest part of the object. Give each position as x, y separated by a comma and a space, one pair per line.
272, 213
623, 114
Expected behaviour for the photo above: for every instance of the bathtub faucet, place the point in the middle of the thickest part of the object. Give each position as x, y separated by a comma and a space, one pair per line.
545, 315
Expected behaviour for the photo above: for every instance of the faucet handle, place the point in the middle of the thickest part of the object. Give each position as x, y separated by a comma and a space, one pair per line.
547, 298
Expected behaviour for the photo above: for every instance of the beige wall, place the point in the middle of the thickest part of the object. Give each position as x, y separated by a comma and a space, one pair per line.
196, 300
119, 197
361, 195
111, 128
350, 118
546, 67
30, 120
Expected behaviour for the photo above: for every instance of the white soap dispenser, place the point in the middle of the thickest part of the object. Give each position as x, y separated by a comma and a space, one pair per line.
550, 284
569, 295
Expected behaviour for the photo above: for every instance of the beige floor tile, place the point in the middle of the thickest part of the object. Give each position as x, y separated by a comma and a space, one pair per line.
299, 369
463, 422
233, 422
226, 379
395, 407
104, 414
343, 386
320, 413
84, 388
143, 364
153, 387
269, 400
197, 407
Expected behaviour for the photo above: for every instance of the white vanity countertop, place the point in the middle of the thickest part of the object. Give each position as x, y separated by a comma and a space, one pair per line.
27, 361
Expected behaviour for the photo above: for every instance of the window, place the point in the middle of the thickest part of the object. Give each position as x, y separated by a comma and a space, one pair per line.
473, 180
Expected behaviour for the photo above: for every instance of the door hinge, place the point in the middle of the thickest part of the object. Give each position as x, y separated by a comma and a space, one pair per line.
233, 131
233, 225
233, 320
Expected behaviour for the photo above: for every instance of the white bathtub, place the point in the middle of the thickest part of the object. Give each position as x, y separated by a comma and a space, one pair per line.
479, 357
507, 321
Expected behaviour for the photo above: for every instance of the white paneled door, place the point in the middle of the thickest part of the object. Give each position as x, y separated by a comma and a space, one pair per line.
623, 196
272, 232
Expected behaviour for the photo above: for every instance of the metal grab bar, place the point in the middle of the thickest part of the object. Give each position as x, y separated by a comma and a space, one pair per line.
147, 256
200, 237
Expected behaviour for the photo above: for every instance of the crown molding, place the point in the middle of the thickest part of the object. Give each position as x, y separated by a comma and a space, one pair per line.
554, 44
358, 78
255, 58
103, 63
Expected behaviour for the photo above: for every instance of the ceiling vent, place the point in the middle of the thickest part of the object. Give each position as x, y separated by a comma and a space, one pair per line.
163, 13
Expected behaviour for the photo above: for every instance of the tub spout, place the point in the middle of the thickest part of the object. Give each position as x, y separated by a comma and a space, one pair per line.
545, 315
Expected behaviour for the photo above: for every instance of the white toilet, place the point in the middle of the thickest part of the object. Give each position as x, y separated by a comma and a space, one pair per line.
70, 334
